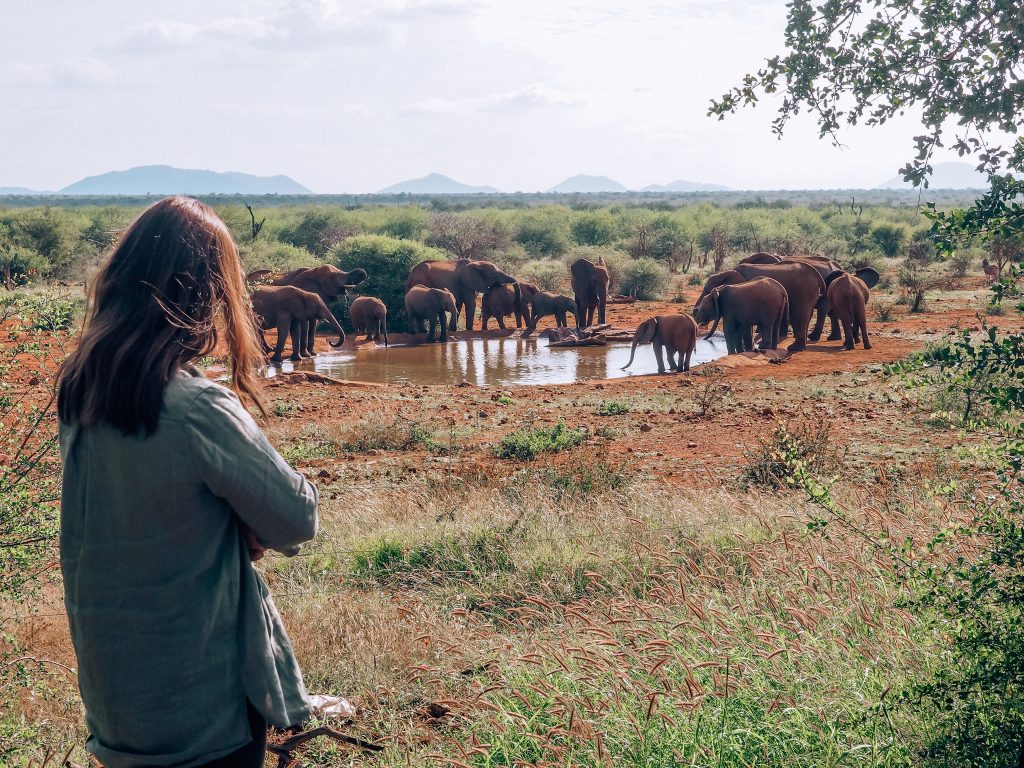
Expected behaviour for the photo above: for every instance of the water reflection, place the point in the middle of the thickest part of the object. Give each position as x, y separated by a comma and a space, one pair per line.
497, 362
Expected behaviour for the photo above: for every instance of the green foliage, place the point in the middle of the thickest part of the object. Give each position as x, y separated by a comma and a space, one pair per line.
49, 232
527, 444
612, 408
889, 238
808, 445
18, 264
542, 233
406, 223
957, 63
319, 230
387, 261
594, 228
549, 275
276, 256
645, 278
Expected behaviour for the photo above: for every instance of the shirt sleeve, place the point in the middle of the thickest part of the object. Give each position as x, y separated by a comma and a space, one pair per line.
238, 464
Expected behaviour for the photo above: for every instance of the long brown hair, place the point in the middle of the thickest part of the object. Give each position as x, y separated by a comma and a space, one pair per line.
154, 308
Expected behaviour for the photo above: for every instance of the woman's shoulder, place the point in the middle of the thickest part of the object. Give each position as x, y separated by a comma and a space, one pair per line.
189, 390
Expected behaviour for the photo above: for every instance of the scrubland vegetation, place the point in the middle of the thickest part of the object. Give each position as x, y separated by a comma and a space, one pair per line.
553, 575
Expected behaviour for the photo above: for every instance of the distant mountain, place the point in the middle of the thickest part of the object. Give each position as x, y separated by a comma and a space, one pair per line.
20, 191
946, 176
165, 180
434, 184
681, 185
585, 184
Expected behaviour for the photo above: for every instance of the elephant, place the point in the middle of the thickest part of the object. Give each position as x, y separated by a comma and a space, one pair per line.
500, 300
762, 302
464, 278
292, 311
676, 333
546, 303
429, 304
369, 314
849, 295
327, 281
803, 285
590, 286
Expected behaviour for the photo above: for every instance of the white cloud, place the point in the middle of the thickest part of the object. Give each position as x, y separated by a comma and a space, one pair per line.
72, 73
535, 95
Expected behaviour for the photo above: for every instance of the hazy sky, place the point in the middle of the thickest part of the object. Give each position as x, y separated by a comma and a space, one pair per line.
353, 96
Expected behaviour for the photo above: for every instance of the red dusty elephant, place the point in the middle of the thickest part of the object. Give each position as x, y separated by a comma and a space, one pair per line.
762, 302
326, 281
292, 311
370, 315
677, 334
464, 278
848, 295
804, 287
500, 301
590, 286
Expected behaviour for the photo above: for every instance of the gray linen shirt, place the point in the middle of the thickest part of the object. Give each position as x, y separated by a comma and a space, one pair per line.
173, 627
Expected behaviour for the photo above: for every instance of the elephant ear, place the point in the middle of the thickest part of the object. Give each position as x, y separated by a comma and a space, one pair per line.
645, 333
475, 276
868, 275
832, 276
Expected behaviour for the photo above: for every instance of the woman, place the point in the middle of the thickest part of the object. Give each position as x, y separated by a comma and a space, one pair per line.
169, 490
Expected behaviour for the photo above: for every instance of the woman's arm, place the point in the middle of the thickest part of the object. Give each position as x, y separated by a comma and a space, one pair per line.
239, 465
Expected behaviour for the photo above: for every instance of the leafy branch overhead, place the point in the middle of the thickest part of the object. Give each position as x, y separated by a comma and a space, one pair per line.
868, 61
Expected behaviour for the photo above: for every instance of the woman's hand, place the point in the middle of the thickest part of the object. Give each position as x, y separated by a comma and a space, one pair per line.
256, 549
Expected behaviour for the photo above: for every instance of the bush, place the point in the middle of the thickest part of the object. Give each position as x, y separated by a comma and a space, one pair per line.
542, 233
645, 278
527, 444
593, 228
276, 256
387, 261
319, 230
548, 274
768, 463
889, 238
960, 261
612, 408
406, 223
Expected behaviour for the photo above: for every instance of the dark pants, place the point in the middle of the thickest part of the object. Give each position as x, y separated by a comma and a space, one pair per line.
252, 754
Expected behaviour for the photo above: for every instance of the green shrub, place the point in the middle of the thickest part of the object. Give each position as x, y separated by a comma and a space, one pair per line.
405, 223
612, 408
645, 278
527, 444
542, 233
593, 228
276, 256
387, 261
319, 230
548, 274
961, 260
889, 238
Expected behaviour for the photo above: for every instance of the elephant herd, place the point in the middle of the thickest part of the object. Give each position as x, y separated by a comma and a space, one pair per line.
436, 293
764, 291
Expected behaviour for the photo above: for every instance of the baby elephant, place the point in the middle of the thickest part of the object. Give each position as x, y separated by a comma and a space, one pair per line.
429, 304
848, 296
544, 304
500, 301
369, 315
762, 302
676, 333
292, 311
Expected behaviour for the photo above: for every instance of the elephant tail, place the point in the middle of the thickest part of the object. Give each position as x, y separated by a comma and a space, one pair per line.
632, 354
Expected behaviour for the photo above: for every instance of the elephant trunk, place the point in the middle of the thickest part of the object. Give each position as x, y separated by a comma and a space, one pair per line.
518, 293
713, 329
718, 316
337, 329
384, 323
632, 354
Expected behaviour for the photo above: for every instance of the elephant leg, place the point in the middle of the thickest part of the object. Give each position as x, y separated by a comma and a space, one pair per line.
800, 321
848, 332
560, 320
748, 338
501, 322
861, 322
686, 360
835, 334
296, 334
444, 328
601, 310
822, 308
673, 358
307, 333
283, 328
657, 356
470, 304
580, 313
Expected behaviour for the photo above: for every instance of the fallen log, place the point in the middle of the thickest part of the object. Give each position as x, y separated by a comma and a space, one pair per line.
591, 341
618, 298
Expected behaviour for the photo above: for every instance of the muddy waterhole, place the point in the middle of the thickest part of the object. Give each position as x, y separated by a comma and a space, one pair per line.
495, 362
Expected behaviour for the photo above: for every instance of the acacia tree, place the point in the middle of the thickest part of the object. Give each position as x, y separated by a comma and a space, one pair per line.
962, 62
869, 61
